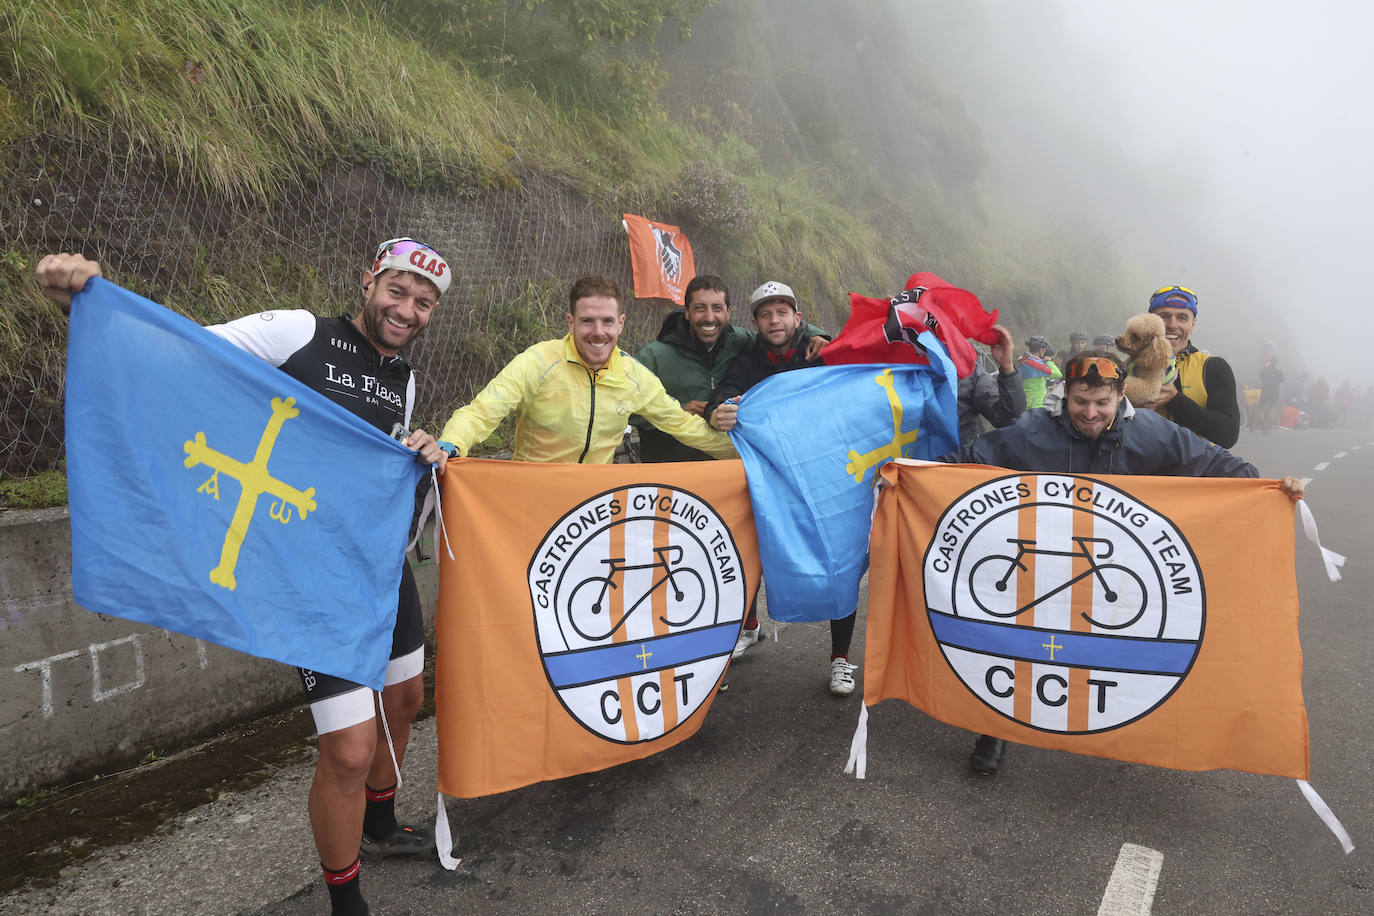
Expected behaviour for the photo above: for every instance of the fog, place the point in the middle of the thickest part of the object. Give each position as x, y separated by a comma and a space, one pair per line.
1225, 147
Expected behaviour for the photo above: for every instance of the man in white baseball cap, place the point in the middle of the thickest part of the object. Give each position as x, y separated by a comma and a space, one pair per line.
782, 344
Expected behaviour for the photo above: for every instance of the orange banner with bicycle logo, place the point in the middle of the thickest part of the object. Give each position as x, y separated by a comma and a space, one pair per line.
587, 616
1148, 619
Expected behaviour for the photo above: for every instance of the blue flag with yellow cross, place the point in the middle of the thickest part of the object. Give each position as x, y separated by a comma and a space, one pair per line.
812, 441
218, 497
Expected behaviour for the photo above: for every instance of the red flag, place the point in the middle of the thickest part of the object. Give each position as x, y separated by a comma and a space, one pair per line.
885, 330
661, 258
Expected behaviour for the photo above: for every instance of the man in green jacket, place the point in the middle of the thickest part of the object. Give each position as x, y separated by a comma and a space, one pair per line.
695, 346
691, 355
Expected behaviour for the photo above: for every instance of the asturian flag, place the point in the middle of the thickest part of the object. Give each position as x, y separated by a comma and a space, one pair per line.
218, 497
586, 615
812, 441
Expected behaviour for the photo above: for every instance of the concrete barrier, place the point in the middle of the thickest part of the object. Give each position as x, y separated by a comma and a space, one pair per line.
83, 692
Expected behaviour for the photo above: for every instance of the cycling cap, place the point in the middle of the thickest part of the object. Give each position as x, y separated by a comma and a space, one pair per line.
414, 257
772, 290
1174, 297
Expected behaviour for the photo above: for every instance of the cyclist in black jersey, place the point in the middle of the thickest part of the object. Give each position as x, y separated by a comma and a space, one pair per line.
357, 363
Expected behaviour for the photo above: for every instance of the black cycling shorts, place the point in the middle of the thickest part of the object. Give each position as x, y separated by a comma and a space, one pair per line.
407, 653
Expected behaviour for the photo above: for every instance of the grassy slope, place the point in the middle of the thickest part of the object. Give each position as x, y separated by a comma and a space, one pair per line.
236, 96
240, 97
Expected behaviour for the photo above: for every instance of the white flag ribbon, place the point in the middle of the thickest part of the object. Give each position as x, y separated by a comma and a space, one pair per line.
1332, 560
443, 837
1326, 814
858, 747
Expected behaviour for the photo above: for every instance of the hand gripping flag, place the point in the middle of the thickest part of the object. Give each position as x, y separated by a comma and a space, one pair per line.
218, 497
661, 258
812, 441
586, 615
888, 330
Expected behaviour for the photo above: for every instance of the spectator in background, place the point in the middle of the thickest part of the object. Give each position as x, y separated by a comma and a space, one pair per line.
1318, 403
1078, 342
1345, 400
1037, 369
998, 399
1365, 416
1271, 388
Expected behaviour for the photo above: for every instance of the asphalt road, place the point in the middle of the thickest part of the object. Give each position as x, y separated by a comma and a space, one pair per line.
753, 815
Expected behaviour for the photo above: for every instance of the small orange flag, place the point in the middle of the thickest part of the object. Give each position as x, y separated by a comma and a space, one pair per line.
661, 257
1148, 619
588, 614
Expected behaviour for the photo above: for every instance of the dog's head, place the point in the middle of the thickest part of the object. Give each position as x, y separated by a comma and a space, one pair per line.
1142, 332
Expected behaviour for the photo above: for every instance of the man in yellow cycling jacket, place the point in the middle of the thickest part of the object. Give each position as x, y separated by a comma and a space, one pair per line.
1203, 396
572, 397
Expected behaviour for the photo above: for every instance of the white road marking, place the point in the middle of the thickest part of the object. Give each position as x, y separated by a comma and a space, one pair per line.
1323, 466
1131, 889
1306, 481
1339, 455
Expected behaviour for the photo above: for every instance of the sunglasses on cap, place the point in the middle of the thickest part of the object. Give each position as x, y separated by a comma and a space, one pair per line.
1105, 369
1174, 289
400, 247
406, 254
1174, 297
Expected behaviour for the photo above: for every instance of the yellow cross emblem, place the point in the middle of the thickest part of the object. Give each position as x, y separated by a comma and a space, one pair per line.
255, 480
859, 464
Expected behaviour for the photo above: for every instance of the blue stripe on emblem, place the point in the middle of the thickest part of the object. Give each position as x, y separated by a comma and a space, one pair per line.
1058, 647
605, 663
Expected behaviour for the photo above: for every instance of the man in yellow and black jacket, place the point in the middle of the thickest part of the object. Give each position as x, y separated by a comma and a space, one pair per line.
1203, 395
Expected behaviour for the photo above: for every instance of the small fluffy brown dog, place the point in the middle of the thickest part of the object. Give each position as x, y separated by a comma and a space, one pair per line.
1150, 353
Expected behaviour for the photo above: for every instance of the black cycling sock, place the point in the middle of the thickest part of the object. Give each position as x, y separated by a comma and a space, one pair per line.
345, 894
841, 634
379, 820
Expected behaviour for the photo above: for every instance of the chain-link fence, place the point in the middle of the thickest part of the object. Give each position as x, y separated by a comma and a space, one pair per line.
514, 253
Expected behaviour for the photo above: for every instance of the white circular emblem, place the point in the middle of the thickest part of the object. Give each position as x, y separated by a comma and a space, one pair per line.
1063, 602
638, 596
